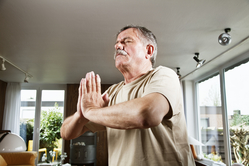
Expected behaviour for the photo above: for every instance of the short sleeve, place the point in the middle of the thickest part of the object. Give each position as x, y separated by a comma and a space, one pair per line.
166, 82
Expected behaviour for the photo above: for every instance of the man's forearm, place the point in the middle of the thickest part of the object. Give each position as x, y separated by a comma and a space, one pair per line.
138, 113
73, 126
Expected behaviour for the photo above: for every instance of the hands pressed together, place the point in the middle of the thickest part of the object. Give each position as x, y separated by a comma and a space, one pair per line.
90, 96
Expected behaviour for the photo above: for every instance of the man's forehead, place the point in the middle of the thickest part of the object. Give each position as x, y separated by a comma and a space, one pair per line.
128, 33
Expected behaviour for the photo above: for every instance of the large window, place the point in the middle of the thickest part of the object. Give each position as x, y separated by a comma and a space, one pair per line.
224, 129
237, 90
210, 113
27, 116
41, 117
50, 142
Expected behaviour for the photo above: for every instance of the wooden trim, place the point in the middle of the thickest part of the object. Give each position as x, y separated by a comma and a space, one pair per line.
3, 87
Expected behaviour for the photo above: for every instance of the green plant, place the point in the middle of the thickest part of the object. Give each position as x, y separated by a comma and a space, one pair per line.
50, 125
214, 157
239, 119
239, 141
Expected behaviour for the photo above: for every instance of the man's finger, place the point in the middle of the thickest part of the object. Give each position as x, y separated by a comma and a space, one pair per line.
79, 96
83, 87
98, 86
88, 82
93, 82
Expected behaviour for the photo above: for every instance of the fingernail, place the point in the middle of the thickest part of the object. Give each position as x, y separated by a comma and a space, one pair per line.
88, 75
98, 78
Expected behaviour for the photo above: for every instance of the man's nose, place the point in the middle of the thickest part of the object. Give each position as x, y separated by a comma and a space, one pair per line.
119, 45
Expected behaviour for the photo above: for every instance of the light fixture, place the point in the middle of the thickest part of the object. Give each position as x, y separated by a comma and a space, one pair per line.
199, 62
26, 78
10, 142
224, 38
3, 66
27, 75
178, 72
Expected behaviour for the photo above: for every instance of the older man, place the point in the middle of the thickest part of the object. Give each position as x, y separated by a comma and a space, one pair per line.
143, 114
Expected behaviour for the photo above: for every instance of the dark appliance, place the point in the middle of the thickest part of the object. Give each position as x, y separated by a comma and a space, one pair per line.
83, 150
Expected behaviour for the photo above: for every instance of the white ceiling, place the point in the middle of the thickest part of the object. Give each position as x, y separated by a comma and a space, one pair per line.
58, 41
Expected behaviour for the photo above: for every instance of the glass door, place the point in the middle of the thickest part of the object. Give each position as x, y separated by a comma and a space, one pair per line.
41, 117
27, 116
51, 119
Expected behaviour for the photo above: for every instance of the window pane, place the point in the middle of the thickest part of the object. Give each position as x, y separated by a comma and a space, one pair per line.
211, 124
27, 116
52, 107
237, 90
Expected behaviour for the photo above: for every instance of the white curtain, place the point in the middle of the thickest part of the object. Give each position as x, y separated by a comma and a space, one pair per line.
11, 118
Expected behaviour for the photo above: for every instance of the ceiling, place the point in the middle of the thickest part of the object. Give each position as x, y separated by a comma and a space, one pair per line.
59, 41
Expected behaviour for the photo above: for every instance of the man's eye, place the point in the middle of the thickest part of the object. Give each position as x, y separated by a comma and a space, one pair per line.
127, 41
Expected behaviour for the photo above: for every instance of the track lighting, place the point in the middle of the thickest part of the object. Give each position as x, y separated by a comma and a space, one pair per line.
178, 72
224, 38
199, 62
26, 78
3, 66
27, 75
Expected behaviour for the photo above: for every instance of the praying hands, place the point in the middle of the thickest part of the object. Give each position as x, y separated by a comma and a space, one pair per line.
90, 94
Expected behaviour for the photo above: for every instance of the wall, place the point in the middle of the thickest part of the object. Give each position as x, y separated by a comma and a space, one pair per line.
71, 107
3, 86
188, 96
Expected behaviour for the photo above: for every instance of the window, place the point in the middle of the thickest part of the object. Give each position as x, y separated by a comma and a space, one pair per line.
224, 129
50, 142
237, 90
27, 116
211, 124
41, 116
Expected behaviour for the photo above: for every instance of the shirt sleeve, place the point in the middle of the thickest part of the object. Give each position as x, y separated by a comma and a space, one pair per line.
166, 82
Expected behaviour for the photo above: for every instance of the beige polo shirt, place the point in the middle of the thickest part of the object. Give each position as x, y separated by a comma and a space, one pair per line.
163, 145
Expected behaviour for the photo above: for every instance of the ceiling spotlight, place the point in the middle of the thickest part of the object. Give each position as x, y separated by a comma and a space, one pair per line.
224, 38
3, 66
199, 62
178, 72
26, 78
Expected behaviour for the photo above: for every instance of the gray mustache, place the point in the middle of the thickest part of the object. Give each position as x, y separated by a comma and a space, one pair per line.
121, 52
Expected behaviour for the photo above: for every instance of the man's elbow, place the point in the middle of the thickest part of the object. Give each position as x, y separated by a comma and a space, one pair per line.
63, 135
149, 121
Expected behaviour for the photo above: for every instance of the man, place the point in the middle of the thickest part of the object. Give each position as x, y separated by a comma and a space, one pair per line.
143, 114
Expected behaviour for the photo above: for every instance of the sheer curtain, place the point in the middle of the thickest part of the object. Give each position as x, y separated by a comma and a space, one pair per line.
11, 118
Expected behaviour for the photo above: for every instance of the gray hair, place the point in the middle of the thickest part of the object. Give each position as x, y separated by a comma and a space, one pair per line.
146, 36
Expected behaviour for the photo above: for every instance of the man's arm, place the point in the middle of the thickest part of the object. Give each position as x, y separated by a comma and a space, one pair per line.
73, 126
144, 112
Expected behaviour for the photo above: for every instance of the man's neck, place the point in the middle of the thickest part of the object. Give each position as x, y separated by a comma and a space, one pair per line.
134, 73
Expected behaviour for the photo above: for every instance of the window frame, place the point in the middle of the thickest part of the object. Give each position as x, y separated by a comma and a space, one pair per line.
39, 88
221, 71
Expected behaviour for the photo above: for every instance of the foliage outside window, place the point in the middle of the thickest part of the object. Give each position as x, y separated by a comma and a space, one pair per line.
50, 138
50, 125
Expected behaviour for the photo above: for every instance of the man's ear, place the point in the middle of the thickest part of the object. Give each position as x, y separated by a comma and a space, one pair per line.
150, 50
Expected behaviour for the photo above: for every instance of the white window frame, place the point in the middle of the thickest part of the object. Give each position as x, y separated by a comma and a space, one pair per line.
195, 123
39, 88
